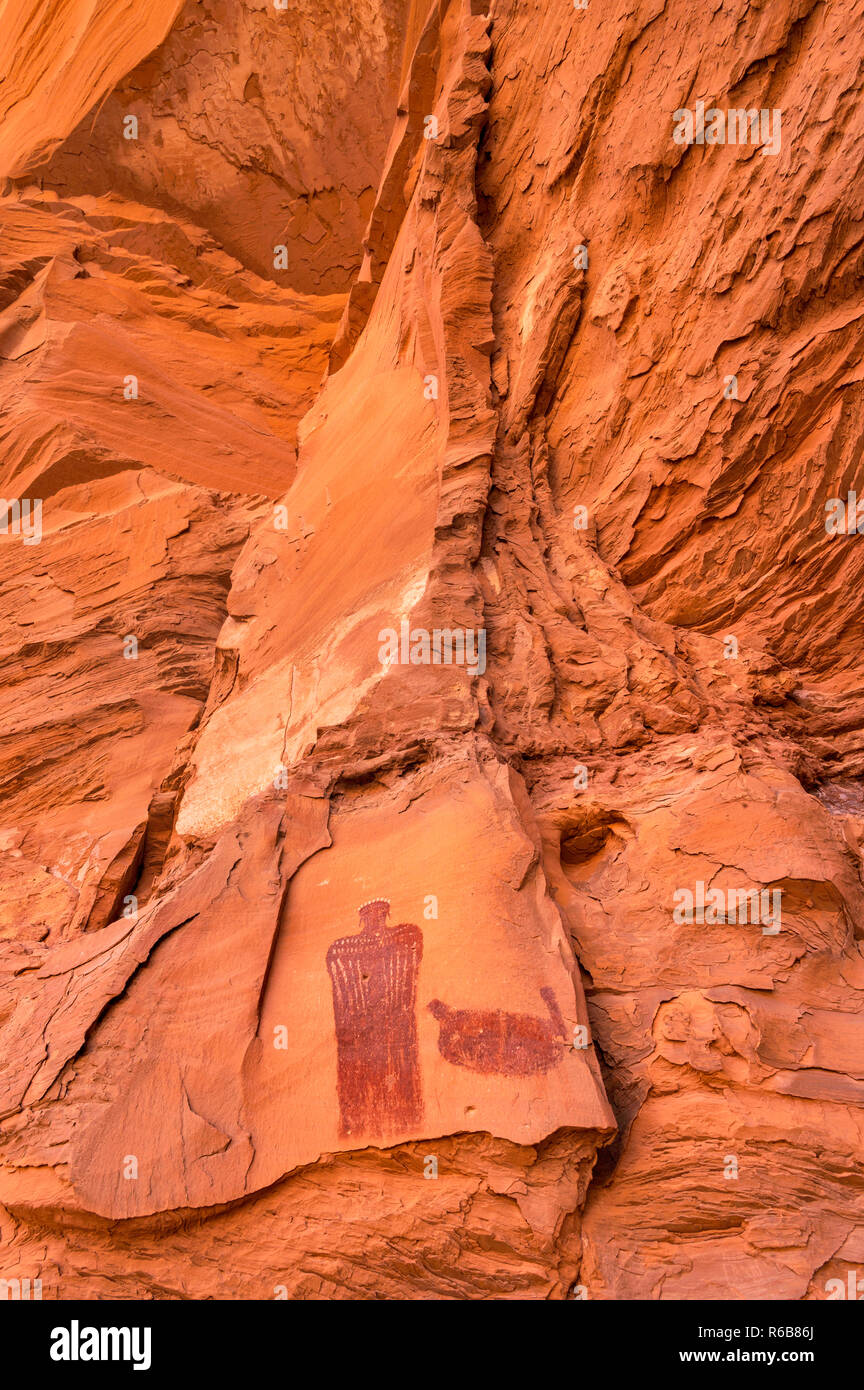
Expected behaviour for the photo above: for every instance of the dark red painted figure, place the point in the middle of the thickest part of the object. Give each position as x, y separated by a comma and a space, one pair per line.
490, 1040
374, 980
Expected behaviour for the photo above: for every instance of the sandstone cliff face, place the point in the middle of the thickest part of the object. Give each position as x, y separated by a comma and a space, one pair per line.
433, 450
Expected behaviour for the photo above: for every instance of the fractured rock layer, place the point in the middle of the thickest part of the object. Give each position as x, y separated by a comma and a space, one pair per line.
432, 823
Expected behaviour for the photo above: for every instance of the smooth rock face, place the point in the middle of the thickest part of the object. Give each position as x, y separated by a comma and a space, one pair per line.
432, 823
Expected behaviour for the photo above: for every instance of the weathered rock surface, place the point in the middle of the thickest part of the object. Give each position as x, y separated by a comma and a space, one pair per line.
331, 966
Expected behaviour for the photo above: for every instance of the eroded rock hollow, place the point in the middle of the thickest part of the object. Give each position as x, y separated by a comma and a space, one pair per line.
432, 733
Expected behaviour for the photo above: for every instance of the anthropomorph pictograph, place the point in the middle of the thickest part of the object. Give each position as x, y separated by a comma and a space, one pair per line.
374, 978
490, 1040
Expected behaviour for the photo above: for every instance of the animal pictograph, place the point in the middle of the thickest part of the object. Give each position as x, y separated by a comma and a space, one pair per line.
493, 1041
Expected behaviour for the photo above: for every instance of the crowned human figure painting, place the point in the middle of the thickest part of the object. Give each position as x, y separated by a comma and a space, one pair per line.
373, 974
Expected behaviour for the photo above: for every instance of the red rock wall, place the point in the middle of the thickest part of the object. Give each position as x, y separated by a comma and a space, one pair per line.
330, 969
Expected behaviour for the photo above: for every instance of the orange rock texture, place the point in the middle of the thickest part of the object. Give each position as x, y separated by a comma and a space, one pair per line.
432, 751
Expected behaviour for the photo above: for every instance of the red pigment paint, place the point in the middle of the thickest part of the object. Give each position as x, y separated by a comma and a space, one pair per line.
490, 1040
374, 979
